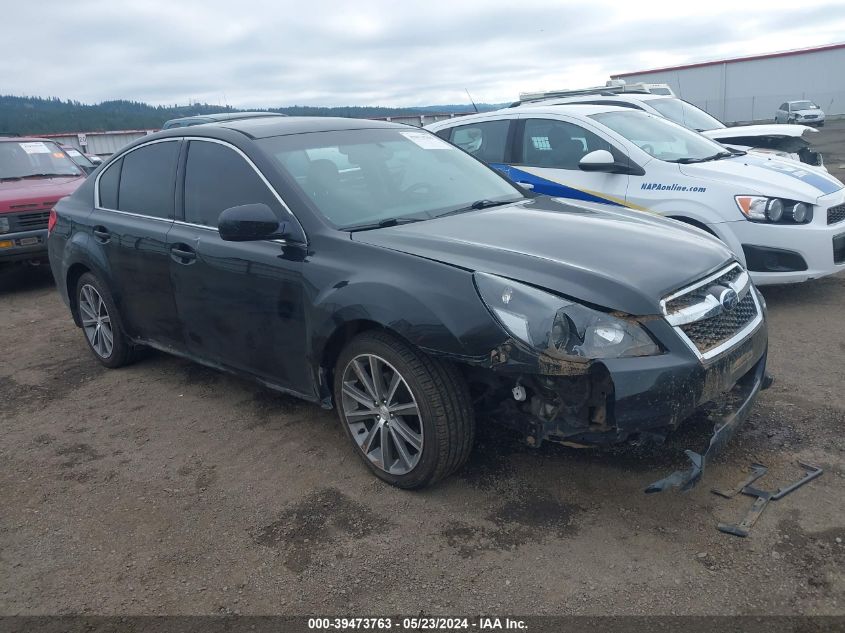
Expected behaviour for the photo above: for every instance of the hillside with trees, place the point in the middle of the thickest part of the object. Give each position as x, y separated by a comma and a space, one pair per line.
36, 115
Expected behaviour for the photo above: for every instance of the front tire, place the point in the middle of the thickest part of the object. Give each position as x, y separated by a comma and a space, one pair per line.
101, 323
408, 415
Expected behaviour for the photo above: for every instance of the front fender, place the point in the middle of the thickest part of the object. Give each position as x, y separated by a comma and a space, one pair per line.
441, 314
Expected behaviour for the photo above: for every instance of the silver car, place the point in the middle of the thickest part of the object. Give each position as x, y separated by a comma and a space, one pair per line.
805, 112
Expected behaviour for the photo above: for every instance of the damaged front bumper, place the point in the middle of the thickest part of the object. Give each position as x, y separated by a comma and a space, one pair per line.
632, 399
727, 420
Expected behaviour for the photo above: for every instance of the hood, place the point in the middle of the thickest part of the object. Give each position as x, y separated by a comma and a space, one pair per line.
620, 260
767, 176
808, 112
36, 193
765, 130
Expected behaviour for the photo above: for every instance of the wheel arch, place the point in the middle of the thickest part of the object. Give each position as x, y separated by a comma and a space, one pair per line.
71, 280
693, 222
334, 345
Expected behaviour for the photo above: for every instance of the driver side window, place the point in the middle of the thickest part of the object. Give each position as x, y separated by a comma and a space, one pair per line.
558, 144
217, 178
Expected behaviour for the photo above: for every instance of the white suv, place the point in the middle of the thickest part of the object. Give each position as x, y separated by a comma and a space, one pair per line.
785, 221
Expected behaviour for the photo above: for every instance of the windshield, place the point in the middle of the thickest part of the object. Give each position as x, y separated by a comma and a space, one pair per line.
804, 105
34, 158
659, 137
363, 177
685, 114
78, 157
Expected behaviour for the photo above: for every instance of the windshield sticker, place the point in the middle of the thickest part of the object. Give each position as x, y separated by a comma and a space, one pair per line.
426, 140
35, 147
656, 186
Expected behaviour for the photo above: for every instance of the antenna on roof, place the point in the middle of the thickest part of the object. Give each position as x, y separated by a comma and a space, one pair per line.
470, 100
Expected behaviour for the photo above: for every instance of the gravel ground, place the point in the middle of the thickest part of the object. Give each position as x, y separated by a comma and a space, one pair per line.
168, 488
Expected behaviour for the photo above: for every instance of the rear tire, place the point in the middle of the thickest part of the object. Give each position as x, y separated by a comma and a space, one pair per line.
418, 408
101, 323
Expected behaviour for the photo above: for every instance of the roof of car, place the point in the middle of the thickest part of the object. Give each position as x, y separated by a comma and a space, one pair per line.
226, 116
624, 98
578, 109
266, 127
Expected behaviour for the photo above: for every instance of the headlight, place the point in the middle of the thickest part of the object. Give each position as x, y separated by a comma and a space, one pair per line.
801, 212
4, 225
559, 327
775, 210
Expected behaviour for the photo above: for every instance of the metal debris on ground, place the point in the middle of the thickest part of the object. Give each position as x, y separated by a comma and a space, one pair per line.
762, 497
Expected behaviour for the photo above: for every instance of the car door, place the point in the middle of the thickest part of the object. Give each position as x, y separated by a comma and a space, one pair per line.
489, 141
134, 210
240, 303
547, 153
782, 113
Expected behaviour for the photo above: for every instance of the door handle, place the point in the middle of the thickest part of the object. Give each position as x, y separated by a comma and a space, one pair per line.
102, 234
525, 185
183, 254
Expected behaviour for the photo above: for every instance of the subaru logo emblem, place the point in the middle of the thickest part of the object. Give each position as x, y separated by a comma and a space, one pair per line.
728, 298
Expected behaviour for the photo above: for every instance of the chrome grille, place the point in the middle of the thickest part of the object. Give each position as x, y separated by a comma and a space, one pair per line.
697, 295
708, 334
836, 214
700, 318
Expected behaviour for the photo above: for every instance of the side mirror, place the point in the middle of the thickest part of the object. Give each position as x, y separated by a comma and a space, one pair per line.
249, 223
602, 160
598, 160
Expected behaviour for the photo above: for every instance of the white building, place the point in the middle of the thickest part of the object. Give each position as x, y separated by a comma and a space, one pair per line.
751, 88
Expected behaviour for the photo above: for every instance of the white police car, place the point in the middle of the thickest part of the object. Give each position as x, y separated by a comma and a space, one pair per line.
784, 220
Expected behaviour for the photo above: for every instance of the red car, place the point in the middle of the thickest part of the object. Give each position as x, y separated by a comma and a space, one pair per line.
34, 175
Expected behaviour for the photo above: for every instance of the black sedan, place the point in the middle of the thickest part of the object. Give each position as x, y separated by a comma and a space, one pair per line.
377, 269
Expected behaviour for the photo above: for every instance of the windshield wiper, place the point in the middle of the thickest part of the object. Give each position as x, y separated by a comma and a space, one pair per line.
381, 224
477, 205
716, 156
47, 175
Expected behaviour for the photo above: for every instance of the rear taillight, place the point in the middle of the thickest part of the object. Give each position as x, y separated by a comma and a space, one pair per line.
51, 223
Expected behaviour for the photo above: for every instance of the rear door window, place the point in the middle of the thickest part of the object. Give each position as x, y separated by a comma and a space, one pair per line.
217, 178
486, 141
148, 180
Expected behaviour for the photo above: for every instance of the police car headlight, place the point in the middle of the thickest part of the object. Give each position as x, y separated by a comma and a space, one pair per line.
4, 225
559, 327
775, 210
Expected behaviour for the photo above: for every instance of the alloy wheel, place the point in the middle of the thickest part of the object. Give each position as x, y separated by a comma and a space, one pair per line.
96, 321
382, 414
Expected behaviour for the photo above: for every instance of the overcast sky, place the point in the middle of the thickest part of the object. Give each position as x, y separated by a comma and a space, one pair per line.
262, 53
